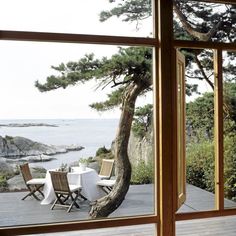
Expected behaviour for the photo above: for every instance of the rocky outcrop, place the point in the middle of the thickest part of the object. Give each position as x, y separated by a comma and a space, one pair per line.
5, 168
141, 148
18, 147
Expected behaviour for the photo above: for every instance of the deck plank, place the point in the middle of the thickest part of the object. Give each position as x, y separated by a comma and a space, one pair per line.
139, 201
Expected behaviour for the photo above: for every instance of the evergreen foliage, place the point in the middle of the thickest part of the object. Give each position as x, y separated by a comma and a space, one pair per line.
129, 65
142, 120
129, 10
102, 150
200, 116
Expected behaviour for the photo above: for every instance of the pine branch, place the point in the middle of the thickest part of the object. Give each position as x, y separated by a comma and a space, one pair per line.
193, 31
202, 71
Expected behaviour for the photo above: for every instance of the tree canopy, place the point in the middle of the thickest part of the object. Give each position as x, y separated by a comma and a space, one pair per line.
129, 65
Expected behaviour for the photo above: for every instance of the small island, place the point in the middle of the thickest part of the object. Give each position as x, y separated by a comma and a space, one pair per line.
16, 125
20, 148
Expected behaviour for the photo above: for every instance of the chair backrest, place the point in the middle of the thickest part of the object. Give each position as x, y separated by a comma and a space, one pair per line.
25, 171
60, 181
106, 167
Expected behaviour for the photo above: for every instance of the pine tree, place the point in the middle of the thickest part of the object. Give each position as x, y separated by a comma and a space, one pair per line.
129, 72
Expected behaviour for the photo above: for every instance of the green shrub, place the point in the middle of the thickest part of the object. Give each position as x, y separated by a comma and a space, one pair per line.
142, 173
3, 183
91, 159
102, 150
230, 166
200, 164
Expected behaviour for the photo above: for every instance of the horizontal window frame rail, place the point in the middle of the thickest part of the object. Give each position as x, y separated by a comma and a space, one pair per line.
204, 214
205, 45
78, 225
76, 38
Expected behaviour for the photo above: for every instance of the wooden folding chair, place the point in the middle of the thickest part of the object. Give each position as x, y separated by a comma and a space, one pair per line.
106, 168
106, 185
33, 184
63, 191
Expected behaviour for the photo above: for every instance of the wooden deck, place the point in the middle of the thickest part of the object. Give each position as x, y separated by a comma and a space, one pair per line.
139, 201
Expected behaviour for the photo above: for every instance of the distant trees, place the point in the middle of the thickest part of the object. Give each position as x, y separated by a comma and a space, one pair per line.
200, 145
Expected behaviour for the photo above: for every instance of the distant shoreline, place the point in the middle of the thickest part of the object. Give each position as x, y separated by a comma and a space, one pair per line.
14, 125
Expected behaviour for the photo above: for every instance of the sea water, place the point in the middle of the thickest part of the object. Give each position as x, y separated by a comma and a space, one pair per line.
89, 133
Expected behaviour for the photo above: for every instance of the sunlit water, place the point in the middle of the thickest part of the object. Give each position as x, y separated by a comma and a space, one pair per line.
89, 133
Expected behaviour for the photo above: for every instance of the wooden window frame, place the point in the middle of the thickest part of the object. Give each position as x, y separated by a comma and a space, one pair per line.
164, 128
218, 48
82, 39
96, 40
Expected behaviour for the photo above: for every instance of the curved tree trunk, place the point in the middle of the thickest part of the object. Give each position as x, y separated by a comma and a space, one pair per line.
106, 205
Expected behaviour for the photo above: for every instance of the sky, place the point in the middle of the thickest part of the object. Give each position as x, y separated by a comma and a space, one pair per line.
22, 63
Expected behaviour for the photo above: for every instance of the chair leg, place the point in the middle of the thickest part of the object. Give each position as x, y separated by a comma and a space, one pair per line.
31, 193
105, 189
61, 201
53, 205
58, 200
74, 199
39, 190
83, 197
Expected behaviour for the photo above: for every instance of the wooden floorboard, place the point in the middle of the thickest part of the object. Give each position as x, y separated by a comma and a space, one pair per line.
139, 201
220, 226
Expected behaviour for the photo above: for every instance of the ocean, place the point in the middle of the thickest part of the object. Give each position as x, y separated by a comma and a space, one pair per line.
89, 133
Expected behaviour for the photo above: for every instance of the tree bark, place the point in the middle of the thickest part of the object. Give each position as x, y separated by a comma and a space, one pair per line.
192, 31
107, 204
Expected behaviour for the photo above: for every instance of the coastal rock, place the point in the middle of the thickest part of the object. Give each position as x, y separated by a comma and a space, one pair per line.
5, 168
141, 148
18, 147
39, 158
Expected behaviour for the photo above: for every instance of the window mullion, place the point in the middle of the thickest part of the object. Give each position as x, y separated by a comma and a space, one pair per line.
218, 118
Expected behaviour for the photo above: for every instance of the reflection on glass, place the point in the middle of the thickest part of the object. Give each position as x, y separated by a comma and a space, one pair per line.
203, 21
121, 18
229, 93
199, 130
73, 105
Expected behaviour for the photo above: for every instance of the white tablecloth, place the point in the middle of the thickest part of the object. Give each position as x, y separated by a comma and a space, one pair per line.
87, 179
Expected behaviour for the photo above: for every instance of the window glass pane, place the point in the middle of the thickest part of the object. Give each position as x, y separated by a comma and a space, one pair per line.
203, 21
90, 88
136, 230
83, 17
229, 93
199, 130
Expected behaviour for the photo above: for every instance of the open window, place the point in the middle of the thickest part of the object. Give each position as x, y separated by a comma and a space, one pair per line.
181, 166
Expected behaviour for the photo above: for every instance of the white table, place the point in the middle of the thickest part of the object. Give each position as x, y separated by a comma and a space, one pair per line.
87, 179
